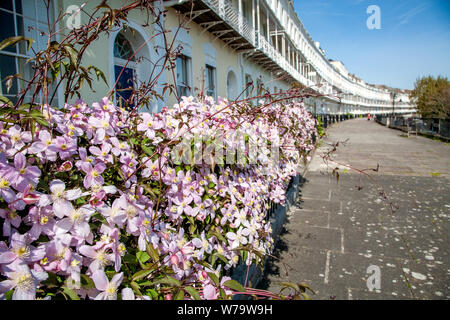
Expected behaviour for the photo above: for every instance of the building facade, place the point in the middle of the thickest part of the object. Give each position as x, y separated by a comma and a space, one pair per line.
224, 45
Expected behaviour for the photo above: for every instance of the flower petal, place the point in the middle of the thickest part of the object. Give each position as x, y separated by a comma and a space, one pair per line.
100, 280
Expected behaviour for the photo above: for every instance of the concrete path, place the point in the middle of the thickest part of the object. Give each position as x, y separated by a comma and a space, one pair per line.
339, 239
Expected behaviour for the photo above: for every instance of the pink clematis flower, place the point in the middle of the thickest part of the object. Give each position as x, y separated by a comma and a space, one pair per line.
41, 146
22, 175
60, 197
210, 292
5, 188
93, 175
108, 288
20, 249
99, 256
11, 218
64, 146
23, 280
77, 222
102, 154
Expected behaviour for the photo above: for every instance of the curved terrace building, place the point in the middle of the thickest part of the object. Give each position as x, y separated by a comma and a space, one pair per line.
267, 44
224, 45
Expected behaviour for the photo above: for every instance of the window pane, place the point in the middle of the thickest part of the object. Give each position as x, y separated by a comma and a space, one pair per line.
7, 28
29, 9
29, 31
25, 71
41, 40
210, 86
123, 48
179, 70
7, 68
183, 75
185, 71
6, 4
19, 6
124, 85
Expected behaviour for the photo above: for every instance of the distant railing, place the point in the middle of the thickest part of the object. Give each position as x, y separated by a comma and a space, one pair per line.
429, 126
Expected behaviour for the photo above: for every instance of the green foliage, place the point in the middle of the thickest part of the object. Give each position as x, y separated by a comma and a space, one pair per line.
320, 129
432, 97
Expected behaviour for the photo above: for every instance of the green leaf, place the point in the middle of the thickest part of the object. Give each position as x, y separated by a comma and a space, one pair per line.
86, 282
152, 253
5, 100
217, 235
304, 286
14, 40
38, 117
213, 278
194, 293
233, 284
169, 281
305, 296
146, 149
141, 274
152, 293
291, 285
135, 288
72, 53
98, 73
142, 256
9, 294
72, 294
179, 295
221, 257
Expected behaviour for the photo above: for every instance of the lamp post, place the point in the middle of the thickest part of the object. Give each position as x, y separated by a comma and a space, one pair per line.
393, 95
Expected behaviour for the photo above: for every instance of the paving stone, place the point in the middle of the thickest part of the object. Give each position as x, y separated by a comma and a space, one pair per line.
309, 217
398, 221
351, 271
314, 237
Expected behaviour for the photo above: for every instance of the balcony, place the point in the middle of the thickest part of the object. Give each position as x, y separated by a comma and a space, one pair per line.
224, 21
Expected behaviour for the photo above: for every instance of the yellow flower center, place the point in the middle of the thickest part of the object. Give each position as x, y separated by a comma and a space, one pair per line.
43, 220
22, 252
4, 183
25, 282
75, 263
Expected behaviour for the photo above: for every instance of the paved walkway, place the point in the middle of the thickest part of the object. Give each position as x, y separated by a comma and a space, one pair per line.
336, 232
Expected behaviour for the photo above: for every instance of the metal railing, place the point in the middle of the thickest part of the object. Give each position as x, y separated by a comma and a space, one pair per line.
230, 14
428, 126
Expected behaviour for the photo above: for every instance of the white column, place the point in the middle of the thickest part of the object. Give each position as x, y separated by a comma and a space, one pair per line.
276, 38
289, 54
241, 15
258, 18
253, 15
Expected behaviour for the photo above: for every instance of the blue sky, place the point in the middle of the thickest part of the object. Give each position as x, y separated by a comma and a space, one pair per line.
414, 39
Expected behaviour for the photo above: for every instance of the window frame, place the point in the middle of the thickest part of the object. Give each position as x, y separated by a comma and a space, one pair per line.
186, 77
213, 73
123, 63
19, 52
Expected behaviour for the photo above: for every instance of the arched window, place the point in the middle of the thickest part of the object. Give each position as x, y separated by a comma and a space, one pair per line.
124, 69
249, 86
231, 85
